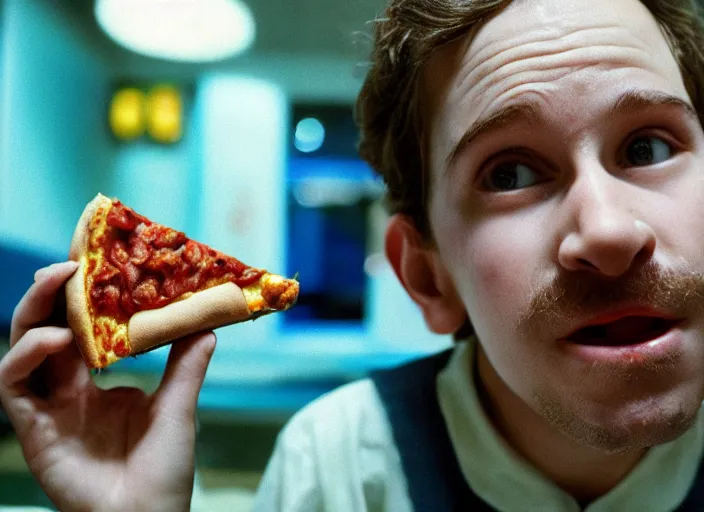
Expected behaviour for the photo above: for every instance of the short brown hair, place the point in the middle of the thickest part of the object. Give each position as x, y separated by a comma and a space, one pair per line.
388, 111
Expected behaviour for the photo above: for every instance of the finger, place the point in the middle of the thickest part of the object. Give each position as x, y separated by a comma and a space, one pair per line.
185, 373
65, 374
24, 358
42, 273
37, 304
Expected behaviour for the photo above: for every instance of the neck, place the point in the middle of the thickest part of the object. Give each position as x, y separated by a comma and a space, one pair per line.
584, 472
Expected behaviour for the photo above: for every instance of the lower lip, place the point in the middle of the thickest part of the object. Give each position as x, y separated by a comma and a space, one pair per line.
664, 347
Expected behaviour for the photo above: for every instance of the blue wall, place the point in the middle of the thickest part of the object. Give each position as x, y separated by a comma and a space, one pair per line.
56, 150
158, 181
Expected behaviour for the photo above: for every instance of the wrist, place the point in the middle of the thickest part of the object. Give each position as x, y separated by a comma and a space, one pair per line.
141, 503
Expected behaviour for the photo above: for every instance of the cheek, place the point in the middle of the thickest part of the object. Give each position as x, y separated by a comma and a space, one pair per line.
693, 213
499, 263
497, 289
495, 260
679, 221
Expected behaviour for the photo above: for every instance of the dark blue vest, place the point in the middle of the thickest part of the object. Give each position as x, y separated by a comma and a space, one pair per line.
435, 481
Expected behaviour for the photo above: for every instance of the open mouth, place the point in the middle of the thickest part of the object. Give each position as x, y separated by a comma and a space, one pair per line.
629, 330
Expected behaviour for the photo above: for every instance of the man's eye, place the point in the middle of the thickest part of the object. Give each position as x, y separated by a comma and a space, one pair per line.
644, 151
510, 176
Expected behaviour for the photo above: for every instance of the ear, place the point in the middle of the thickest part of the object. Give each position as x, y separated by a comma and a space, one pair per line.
424, 276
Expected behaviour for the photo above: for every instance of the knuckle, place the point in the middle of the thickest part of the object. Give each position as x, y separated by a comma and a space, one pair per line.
42, 338
47, 337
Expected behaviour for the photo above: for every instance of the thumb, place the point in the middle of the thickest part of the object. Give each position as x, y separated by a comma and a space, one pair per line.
185, 373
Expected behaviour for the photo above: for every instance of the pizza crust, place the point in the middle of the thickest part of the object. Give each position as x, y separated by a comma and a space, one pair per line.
215, 307
78, 316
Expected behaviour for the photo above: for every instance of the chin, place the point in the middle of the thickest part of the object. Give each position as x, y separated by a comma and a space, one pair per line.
624, 427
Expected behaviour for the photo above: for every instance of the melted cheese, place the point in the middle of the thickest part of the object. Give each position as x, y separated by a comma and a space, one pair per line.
109, 330
253, 295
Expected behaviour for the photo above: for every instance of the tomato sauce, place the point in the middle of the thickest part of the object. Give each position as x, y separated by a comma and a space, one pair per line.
148, 266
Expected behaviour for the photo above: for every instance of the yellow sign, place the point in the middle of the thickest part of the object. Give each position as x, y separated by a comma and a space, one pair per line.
158, 113
127, 115
164, 114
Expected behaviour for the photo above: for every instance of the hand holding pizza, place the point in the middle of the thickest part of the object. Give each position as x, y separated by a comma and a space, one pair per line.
94, 449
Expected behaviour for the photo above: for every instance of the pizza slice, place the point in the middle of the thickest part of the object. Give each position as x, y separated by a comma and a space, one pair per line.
141, 285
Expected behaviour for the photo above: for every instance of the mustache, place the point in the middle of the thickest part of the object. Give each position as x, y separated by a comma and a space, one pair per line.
579, 296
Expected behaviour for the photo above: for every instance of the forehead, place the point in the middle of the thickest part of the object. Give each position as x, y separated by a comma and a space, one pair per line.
546, 50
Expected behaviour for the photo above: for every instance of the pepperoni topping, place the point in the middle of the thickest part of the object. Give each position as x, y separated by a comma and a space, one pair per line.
149, 266
119, 254
169, 238
148, 233
106, 299
173, 287
164, 261
123, 218
146, 292
131, 274
249, 276
192, 254
107, 273
139, 250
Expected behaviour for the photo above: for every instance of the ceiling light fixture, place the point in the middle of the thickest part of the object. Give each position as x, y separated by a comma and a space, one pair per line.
180, 30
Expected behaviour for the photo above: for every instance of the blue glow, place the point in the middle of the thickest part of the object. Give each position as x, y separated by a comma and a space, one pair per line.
309, 135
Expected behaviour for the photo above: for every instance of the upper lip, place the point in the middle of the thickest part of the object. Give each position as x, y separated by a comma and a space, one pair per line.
613, 315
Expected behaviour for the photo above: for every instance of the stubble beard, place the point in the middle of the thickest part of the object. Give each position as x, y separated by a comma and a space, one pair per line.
661, 426
572, 296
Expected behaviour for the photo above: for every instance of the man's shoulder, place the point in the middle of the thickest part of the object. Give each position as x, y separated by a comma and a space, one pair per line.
361, 400
345, 407
336, 453
357, 409
345, 433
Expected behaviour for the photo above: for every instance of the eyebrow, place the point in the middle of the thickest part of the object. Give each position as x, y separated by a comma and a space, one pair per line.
638, 100
628, 102
495, 122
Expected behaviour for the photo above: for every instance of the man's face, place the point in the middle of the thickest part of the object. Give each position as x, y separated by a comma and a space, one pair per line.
572, 222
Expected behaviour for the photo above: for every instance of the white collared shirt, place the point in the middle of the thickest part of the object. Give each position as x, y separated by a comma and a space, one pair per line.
338, 455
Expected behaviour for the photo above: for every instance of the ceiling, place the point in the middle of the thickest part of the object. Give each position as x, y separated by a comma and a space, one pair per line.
315, 47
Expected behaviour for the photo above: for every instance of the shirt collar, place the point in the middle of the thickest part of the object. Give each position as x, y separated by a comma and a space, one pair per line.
507, 482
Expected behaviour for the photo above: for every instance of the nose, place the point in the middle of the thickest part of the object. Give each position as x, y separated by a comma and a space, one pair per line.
605, 236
